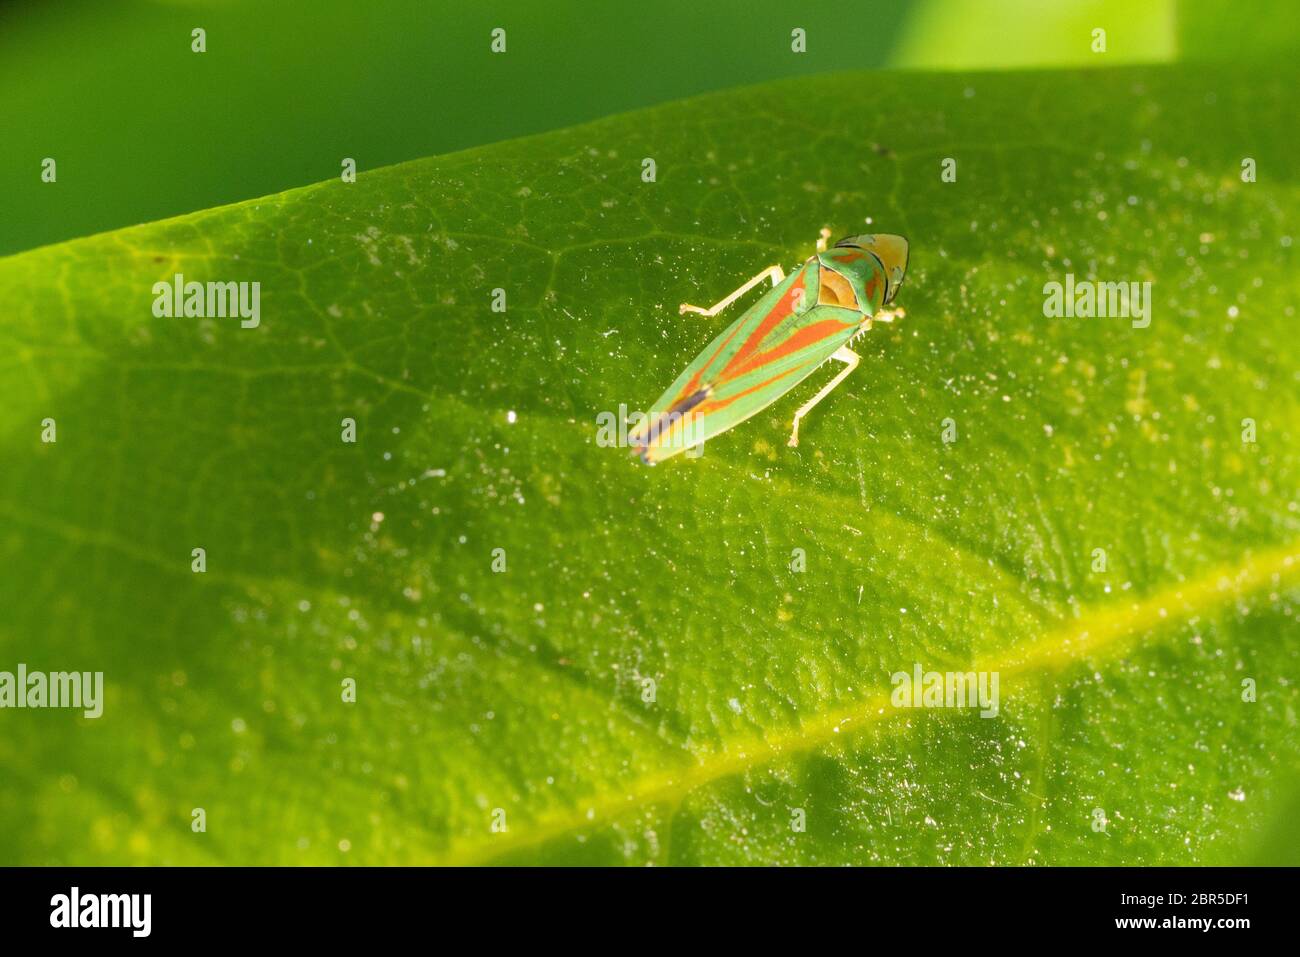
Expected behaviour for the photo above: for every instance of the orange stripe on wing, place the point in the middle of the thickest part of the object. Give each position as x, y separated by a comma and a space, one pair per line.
710, 407
807, 336
766, 326
782, 310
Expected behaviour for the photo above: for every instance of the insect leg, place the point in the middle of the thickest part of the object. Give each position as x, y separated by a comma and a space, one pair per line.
850, 360
775, 273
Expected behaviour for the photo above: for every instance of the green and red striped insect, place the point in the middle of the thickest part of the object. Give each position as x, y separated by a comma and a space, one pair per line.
805, 319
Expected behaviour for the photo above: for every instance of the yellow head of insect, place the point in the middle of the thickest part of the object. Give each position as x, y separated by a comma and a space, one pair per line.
891, 250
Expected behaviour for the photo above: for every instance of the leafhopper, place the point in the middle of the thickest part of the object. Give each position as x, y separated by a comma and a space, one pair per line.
804, 320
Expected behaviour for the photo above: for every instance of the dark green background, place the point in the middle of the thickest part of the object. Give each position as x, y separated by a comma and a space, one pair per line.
142, 128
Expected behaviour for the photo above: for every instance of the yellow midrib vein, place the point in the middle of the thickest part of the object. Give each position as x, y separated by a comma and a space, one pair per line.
1111, 629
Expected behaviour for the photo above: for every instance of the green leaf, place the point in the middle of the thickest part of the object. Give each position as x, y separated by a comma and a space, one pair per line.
524, 690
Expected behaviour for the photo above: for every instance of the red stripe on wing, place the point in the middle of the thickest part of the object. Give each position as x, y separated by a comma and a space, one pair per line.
713, 405
783, 308
807, 336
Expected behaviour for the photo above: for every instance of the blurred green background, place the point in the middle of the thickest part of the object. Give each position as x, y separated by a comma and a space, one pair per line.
142, 128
